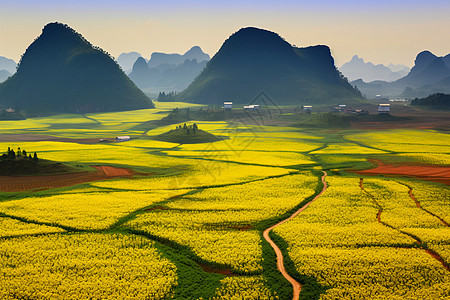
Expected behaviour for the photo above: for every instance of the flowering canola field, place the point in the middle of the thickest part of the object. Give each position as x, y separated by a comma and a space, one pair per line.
189, 224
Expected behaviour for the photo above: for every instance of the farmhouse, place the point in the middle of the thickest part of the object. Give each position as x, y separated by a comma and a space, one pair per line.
228, 105
384, 109
123, 138
251, 107
307, 108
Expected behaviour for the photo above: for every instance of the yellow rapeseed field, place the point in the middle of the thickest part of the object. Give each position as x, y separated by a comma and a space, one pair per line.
84, 266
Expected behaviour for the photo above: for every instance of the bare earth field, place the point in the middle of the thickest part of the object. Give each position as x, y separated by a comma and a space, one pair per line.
430, 173
25, 183
43, 138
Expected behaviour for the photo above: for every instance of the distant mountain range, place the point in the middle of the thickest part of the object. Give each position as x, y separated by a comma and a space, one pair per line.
62, 72
8, 64
168, 72
157, 59
127, 60
254, 60
356, 68
7, 68
430, 75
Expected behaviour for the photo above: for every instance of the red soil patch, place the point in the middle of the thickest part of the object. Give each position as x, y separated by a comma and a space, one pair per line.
425, 172
25, 183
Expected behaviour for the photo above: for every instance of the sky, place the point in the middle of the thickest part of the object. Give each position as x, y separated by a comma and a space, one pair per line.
381, 31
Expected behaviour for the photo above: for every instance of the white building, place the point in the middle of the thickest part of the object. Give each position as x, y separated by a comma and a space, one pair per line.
384, 109
251, 107
123, 138
228, 105
307, 108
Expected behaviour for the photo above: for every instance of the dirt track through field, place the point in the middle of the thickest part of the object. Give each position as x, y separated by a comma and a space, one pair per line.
430, 173
411, 195
418, 241
25, 183
297, 287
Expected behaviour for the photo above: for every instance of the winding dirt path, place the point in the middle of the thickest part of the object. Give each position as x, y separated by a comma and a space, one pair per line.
280, 260
411, 195
418, 241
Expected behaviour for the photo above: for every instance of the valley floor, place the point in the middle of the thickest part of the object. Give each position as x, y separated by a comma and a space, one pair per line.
160, 220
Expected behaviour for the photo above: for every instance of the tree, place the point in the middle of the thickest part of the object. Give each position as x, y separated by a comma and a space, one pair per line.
184, 126
35, 157
12, 154
24, 153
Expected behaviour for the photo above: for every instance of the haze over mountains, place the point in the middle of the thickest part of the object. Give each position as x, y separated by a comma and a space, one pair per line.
255, 60
7, 68
159, 58
168, 72
127, 60
430, 74
4, 75
356, 68
62, 72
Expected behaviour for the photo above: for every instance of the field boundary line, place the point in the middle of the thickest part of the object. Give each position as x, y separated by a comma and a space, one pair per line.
418, 240
297, 287
411, 195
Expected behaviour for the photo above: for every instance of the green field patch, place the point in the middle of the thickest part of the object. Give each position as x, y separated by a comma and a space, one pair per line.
83, 211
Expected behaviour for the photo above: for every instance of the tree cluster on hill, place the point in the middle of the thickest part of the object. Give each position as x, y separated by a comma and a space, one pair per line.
189, 129
188, 134
12, 155
437, 100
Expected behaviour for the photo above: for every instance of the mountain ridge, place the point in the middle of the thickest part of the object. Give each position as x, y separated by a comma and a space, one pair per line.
253, 60
357, 68
63, 72
430, 74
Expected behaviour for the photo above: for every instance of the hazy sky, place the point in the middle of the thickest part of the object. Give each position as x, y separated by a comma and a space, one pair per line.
381, 31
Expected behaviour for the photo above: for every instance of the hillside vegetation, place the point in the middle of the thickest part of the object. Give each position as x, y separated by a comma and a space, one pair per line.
439, 101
